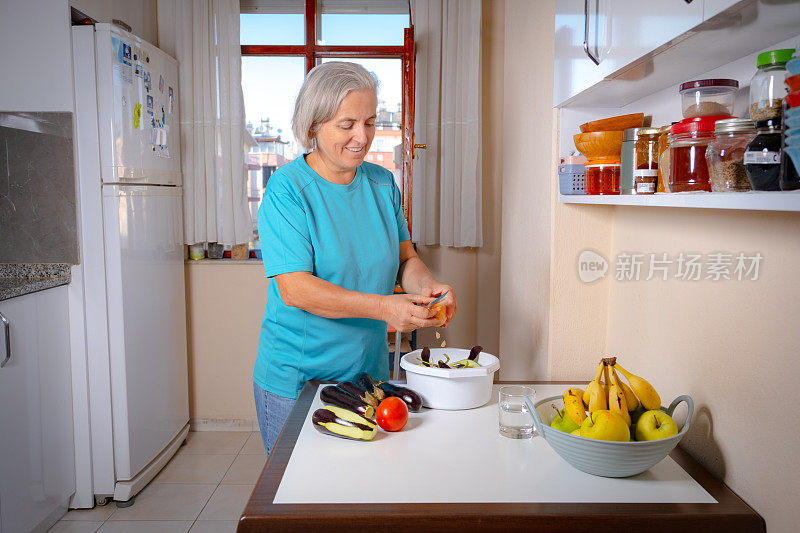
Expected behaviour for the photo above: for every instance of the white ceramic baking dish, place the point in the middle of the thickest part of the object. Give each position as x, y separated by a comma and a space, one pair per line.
452, 389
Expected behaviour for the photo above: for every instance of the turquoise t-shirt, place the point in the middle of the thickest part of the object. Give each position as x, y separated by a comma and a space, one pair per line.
348, 235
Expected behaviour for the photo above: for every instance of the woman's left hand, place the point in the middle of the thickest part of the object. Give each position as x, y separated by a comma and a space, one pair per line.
449, 301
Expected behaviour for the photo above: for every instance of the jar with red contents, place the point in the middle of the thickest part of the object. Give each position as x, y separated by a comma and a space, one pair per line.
602, 177
688, 141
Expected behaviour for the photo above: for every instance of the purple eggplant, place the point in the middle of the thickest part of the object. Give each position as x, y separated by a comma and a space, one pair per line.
339, 422
409, 397
332, 395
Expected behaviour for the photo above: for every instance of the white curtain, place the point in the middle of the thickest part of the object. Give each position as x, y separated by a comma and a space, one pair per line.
447, 175
203, 35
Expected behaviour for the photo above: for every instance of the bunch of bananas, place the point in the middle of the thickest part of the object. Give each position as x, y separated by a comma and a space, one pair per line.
607, 391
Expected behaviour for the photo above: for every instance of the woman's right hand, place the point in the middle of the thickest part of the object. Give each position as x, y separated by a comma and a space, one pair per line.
407, 312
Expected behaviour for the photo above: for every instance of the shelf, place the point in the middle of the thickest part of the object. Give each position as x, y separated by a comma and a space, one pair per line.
743, 201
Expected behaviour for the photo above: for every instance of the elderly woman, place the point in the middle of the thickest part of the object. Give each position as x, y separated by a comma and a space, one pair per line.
334, 243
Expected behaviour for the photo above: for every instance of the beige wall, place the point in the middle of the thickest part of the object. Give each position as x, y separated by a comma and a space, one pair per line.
527, 174
224, 306
140, 15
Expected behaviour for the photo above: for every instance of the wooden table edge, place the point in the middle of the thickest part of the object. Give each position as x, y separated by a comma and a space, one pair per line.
730, 512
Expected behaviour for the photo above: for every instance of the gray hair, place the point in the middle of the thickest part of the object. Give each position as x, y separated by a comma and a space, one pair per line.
323, 90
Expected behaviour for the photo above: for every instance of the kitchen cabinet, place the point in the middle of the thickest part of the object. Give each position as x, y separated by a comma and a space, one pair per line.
451, 471
596, 38
37, 469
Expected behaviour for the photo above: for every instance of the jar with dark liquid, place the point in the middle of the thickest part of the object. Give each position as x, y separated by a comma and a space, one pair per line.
687, 144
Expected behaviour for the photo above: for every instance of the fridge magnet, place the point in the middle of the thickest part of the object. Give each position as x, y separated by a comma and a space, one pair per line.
124, 53
163, 116
138, 71
169, 104
149, 103
137, 115
161, 84
137, 53
147, 82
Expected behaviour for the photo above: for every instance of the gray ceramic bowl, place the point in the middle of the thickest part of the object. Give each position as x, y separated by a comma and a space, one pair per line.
602, 457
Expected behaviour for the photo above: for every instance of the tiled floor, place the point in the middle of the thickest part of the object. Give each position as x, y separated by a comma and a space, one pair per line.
204, 489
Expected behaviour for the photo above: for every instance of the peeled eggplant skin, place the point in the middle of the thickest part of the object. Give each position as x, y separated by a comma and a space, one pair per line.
365, 381
333, 395
409, 397
357, 392
338, 422
474, 352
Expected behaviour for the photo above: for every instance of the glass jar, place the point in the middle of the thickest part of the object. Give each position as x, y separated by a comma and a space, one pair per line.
687, 145
603, 178
725, 154
662, 175
663, 167
762, 157
766, 87
639, 159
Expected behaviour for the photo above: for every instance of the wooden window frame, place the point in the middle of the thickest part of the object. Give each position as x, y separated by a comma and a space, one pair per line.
313, 52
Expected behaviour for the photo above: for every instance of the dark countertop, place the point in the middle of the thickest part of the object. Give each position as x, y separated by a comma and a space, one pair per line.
19, 279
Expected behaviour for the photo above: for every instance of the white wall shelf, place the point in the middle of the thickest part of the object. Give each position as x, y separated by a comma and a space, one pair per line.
747, 201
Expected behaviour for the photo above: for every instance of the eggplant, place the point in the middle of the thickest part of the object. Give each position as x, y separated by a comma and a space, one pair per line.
365, 381
332, 395
358, 392
339, 422
409, 397
474, 351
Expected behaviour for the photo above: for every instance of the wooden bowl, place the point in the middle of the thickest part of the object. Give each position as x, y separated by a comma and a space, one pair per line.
599, 144
618, 123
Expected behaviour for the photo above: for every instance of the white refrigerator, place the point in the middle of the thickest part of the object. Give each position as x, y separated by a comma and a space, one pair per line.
127, 300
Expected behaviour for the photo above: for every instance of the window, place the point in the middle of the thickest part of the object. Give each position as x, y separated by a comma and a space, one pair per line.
283, 39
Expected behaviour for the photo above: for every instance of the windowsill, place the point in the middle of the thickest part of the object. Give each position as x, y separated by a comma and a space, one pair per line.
225, 261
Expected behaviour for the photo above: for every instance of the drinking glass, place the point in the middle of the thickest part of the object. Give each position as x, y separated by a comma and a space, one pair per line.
516, 421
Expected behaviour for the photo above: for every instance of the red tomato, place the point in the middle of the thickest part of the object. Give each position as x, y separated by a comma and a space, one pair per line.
392, 414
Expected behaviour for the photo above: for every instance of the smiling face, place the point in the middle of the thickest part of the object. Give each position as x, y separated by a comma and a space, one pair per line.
343, 141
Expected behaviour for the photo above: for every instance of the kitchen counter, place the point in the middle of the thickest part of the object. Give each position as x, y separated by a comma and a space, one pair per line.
452, 471
18, 279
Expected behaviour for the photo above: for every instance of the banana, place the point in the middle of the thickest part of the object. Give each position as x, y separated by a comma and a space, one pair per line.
616, 403
573, 403
598, 401
606, 382
597, 375
641, 387
630, 398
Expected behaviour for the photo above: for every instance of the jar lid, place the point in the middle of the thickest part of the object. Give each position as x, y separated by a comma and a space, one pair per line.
665, 129
734, 124
697, 124
699, 84
770, 123
774, 57
632, 133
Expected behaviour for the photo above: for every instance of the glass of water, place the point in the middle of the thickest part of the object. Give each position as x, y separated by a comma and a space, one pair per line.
516, 421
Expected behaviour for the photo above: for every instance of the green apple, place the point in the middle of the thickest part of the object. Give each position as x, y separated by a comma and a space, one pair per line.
563, 422
654, 425
605, 425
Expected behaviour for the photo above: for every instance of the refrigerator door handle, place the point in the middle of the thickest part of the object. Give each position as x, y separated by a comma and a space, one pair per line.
7, 328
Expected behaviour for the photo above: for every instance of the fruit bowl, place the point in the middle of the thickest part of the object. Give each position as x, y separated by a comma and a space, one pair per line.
599, 144
602, 457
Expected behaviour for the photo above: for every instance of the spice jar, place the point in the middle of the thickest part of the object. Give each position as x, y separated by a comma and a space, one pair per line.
766, 88
639, 161
687, 146
762, 157
661, 174
725, 154
603, 177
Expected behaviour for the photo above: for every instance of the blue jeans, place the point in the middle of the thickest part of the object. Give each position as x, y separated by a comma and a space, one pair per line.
272, 411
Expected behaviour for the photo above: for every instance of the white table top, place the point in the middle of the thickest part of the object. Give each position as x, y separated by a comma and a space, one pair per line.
459, 456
